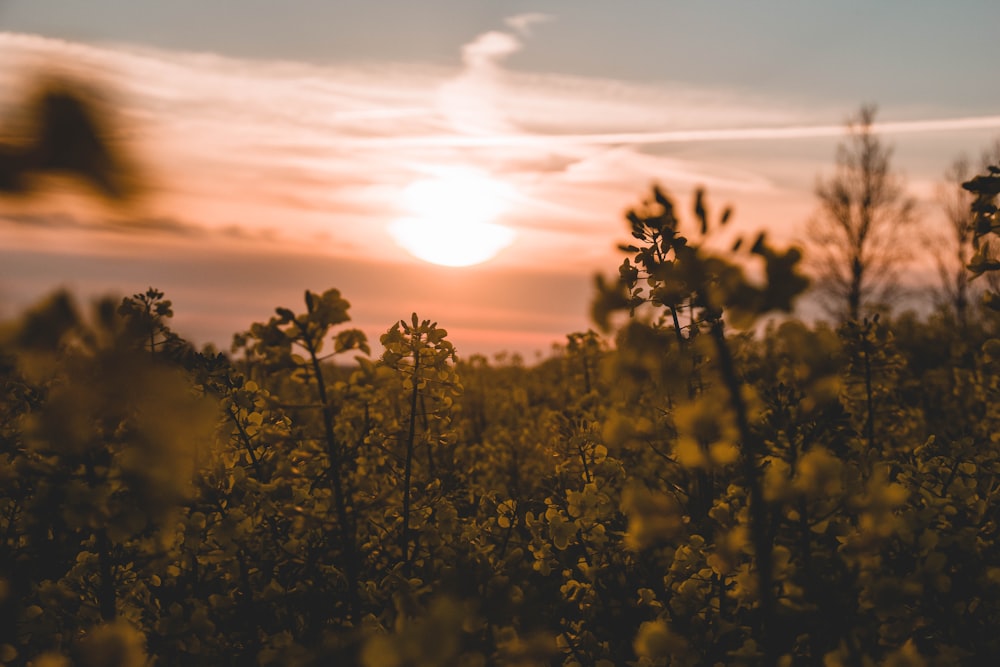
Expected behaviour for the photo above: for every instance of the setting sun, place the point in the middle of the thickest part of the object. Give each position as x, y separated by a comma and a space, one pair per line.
452, 219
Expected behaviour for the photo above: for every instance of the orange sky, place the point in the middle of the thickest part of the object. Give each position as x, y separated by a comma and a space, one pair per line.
268, 177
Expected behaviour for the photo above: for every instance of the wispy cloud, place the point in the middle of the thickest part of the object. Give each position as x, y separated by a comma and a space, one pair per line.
68, 222
522, 22
319, 154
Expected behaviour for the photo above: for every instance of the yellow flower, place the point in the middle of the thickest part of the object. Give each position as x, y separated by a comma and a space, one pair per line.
656, 640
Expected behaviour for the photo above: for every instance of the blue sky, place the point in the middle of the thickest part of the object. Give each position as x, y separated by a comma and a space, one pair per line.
296, 134
896, 52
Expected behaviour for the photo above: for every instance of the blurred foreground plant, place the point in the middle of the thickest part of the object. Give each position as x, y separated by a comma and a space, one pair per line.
65, 128
672, 275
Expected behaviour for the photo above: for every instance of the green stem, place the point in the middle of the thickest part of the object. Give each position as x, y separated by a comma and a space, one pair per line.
759, 527
106, 594
347, 534
404, 539
869, 391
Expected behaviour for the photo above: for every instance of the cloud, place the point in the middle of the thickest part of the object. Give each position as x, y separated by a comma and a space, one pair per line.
274, 175
42, 221
297, 153
487, 50
469, 101
522, 22
68, 222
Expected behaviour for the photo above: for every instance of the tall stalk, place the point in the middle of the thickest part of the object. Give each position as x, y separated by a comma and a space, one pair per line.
759, 523
411, 434
335, 453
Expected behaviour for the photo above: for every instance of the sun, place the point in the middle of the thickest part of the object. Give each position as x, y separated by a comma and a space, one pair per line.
452, 218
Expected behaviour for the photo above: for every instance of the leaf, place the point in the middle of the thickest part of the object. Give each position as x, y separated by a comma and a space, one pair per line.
351, 339
699, 210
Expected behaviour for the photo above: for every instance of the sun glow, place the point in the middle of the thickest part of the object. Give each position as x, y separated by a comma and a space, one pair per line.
452, 221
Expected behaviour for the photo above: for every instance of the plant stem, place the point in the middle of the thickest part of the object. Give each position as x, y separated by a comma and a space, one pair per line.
870, 422
759, 528
404, 538
347, 535
106, 594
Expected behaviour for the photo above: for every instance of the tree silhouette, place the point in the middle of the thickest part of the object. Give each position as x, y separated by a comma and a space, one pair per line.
956, 204
859, 232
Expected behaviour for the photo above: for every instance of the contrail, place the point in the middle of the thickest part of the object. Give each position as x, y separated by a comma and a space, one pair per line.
794, 131
674, 136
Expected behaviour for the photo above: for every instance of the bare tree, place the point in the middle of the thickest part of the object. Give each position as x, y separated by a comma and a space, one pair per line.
859, 233
955, 245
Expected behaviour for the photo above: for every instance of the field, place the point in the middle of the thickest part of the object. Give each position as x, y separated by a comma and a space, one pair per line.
682, 491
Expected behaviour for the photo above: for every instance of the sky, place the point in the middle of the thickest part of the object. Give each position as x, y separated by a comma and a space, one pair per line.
311, 144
